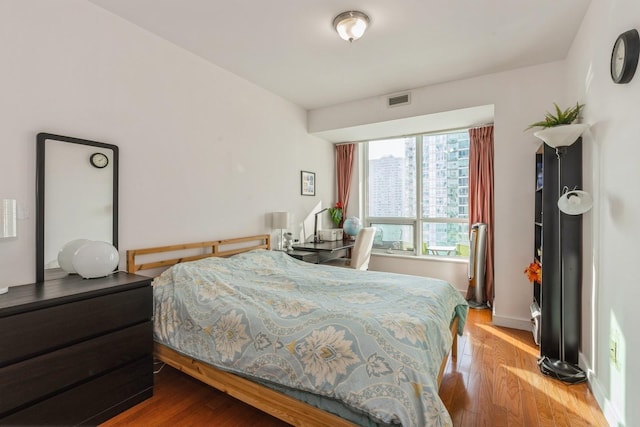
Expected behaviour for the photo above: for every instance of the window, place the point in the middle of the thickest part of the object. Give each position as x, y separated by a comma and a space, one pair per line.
417, 194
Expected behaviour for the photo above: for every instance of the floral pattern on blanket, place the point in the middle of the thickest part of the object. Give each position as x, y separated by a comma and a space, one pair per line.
372, 340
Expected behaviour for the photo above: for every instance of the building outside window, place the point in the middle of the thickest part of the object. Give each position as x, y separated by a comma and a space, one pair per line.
417, 194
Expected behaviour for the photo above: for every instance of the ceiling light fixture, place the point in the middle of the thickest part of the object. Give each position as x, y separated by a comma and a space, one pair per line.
351, 25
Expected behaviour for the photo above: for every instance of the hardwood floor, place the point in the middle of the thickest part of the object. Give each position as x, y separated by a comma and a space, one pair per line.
494, 382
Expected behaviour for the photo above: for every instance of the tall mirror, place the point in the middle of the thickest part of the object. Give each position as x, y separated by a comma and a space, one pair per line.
76, 197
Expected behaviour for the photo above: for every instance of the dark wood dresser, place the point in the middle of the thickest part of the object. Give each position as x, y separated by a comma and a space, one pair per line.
75, 351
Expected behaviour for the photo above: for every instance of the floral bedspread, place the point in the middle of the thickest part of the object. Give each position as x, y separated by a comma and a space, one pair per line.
372, 340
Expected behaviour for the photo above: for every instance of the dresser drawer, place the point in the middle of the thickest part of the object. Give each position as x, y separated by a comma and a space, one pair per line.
32, 379
31, 333
93, 402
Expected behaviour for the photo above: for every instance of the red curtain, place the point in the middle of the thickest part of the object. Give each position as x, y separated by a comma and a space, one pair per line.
481, 193
344, 170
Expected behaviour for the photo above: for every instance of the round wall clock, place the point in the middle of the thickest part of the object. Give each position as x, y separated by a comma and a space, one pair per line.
624, 57
99, 160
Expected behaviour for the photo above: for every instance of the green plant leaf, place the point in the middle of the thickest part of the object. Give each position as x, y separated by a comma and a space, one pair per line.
336, 215
561, 117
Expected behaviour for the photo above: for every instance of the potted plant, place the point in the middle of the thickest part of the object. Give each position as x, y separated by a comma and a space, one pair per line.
560, 130
562, 117
336, 214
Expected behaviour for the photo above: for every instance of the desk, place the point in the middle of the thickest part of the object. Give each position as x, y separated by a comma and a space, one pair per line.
327, 250
441, 250
306, 256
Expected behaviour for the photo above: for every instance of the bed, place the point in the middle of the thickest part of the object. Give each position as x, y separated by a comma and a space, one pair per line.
310, 344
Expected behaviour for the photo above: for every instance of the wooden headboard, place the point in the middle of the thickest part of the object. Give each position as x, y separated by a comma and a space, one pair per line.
216, 248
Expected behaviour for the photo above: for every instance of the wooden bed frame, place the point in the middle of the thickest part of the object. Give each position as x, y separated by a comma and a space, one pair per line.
272, 402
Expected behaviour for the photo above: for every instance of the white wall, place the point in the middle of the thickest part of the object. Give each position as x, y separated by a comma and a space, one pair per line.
520, 97
203, 154
610, 289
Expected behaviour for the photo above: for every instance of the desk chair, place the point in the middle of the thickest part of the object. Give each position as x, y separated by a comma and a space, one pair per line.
360, 253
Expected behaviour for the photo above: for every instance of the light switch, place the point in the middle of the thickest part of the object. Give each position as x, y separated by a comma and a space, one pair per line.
8, 215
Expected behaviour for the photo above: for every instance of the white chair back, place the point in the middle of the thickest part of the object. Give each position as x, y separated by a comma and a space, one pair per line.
361, 252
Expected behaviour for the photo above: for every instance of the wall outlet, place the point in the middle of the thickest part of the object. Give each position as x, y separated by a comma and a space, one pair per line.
617, 348
613, 350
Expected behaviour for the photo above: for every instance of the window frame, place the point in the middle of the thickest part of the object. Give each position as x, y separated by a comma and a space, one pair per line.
419, 220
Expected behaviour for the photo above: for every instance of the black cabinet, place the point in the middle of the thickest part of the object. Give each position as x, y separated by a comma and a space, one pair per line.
558, 247
75, 351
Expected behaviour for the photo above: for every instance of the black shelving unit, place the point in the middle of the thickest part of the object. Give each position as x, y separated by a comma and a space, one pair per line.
537, 249
558, 247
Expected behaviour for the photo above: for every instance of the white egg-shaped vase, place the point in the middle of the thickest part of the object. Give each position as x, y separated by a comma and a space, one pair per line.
65, 256
95, 259
561, 136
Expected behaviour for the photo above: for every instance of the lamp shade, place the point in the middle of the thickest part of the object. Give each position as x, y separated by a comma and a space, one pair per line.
279, 219
575, 202
95, 259
351, 25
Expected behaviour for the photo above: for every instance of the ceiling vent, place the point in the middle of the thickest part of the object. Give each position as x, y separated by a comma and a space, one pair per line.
397, 100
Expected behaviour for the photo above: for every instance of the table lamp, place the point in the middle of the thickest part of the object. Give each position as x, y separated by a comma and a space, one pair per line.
316, 238
280, 220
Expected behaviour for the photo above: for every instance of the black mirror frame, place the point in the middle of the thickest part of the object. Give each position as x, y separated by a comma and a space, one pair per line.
40, 192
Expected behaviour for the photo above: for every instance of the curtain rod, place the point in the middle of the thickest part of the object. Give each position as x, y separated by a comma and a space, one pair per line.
418, 133
482, 126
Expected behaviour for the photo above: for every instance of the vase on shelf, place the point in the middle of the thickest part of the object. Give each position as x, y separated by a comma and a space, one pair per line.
561, 136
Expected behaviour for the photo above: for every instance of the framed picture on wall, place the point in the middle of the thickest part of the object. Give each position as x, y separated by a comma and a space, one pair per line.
308, 183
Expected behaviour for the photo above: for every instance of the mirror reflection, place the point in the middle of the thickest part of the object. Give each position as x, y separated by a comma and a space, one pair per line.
77, 197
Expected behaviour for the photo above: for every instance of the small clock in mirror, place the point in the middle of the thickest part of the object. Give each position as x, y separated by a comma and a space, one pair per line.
624, 57
99, 160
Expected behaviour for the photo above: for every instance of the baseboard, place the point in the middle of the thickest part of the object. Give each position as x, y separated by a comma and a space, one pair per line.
610, 413
512, 322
